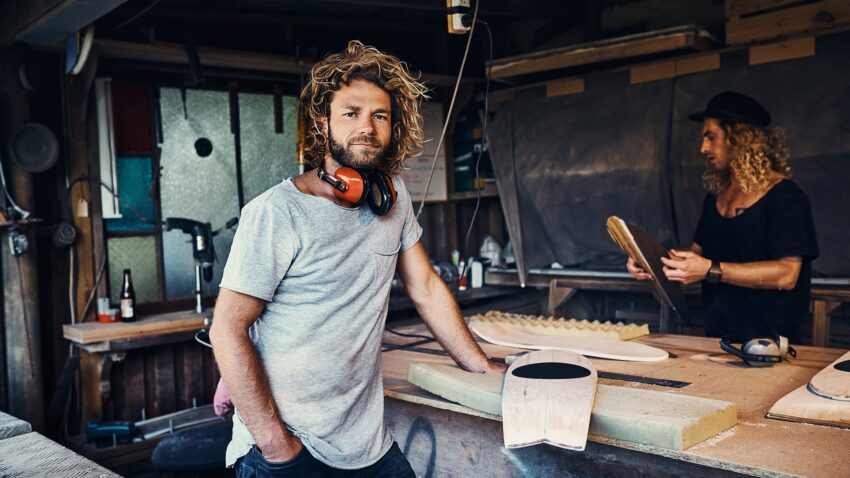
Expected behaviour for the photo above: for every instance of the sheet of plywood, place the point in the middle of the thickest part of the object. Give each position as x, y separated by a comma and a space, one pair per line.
562, 327
152, 325
646, 251
801, 405
499, 334
547, 398
834, 381
647, 417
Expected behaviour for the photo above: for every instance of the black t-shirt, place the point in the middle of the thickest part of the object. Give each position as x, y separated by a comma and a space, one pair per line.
778, 225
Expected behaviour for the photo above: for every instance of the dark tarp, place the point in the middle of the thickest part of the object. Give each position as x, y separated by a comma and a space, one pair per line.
564, 164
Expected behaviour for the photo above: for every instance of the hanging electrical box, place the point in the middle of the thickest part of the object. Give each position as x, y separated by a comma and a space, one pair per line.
106, 149
457, 12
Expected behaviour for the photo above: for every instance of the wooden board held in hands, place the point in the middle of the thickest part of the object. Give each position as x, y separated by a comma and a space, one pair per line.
500, 334
547, 398
647, 252
833, 382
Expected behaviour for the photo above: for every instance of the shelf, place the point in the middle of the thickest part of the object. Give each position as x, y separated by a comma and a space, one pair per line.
488, 192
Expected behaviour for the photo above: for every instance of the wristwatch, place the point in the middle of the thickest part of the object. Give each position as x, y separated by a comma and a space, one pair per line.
715, 273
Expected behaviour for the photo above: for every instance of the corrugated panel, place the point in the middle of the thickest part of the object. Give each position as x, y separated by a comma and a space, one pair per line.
267, 157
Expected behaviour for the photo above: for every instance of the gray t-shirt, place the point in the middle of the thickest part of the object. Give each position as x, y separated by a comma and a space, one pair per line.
325, 271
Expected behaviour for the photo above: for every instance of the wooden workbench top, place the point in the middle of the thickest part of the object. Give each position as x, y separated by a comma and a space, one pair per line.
756, 446
144, 326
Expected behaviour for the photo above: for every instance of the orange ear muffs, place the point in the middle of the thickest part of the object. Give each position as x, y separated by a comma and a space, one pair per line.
382, 195
350, 185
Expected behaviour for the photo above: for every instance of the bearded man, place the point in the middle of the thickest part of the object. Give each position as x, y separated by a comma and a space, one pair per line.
755, 240
303, 301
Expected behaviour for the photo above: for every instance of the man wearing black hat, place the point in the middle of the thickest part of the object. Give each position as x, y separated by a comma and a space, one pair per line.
755, 239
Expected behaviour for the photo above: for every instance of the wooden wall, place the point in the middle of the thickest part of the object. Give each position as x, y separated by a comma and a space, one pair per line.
161, 380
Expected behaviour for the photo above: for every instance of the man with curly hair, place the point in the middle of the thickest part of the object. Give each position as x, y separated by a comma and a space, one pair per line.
303, 302
755, 239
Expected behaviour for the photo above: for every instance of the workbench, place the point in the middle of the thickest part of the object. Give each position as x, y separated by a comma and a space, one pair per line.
827, 293
442, 438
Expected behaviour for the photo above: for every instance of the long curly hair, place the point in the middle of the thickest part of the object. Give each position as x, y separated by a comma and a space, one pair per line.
362, 62
754, 152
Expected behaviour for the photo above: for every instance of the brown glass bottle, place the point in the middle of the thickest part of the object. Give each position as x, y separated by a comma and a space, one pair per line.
128, 298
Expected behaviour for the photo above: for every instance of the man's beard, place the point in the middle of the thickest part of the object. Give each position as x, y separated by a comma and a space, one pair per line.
345, 156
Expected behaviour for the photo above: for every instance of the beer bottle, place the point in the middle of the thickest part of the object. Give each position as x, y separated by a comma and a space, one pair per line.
128, 298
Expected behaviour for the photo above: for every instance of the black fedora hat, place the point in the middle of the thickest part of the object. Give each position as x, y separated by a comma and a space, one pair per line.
733, 106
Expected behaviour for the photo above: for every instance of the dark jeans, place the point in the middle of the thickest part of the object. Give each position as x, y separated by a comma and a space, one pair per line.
253, 465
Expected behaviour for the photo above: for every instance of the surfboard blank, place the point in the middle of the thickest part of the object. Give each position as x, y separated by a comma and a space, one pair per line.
649, 417
500, 334
547, 398
834, 381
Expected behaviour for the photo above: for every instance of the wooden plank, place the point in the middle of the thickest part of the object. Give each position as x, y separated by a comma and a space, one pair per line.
786, 50
132, 387
612, 49
566, 86
165, 398
737, 8
803, 406
652, 72
696, 64
547, 398
143, 327
32, 454
810, 17
190, 383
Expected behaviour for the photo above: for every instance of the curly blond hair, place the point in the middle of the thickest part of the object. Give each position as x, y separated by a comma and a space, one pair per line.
754, 152
362, 62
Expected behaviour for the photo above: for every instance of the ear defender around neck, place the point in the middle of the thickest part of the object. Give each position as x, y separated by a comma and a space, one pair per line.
356, 187
383, 194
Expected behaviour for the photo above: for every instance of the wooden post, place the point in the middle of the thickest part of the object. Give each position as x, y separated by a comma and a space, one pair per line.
24, 390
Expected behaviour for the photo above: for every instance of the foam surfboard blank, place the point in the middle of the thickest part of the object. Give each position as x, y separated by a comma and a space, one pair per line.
547, 397
500, 334
562, 327
648, 417
834, 381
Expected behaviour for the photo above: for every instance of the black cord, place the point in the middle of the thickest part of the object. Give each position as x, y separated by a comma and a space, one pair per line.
137, 15
480, 149
413, 336
390, 348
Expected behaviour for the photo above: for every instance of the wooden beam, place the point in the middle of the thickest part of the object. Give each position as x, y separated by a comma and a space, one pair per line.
20, 16
696, 64
175, 53
596, 52
737, 8
566, 86
652, 72
21, 318
789, 21
786, 50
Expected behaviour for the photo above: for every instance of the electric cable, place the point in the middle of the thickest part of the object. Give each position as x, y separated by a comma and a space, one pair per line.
401, 334
449, 112
481, 147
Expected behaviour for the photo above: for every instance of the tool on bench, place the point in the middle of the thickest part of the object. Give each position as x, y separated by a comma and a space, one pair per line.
758, 351
109, 433
623, 377
203, 248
